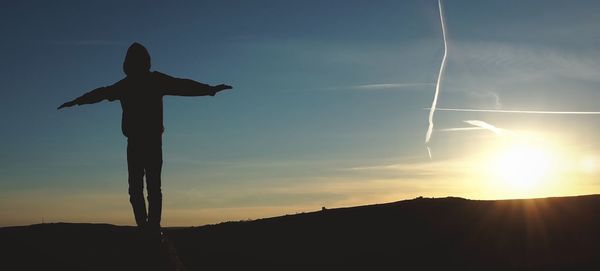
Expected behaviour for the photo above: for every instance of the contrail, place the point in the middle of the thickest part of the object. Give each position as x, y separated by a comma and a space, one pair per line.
487, 126
439, 79
479, 125
521, 111
460, 129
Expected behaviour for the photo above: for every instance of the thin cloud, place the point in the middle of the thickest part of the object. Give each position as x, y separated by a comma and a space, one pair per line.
487, 126
479, 125
87, 42
485, 71
520, 111
387, 86
417, 170
459, 129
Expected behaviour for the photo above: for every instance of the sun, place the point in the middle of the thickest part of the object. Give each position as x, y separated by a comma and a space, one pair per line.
531, 165
521, 169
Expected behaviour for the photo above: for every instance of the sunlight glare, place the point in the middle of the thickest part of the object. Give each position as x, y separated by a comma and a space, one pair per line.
522, 167
589, 165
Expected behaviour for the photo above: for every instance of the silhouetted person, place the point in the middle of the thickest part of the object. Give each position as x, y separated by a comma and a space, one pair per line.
140, 94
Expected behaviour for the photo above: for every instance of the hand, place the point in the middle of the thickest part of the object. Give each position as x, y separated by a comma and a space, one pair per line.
67, 104
219, 88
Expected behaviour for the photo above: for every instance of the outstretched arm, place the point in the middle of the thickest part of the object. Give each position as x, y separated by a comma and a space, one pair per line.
187, 87
94, 96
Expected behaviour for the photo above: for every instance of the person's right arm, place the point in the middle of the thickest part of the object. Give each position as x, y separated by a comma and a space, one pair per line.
109, 93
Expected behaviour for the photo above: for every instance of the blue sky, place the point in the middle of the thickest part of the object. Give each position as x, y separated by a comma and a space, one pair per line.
328, 105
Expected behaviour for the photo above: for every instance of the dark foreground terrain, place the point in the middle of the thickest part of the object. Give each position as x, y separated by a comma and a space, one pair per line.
420, 234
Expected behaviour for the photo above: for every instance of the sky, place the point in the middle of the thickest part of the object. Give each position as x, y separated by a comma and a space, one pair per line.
329, 106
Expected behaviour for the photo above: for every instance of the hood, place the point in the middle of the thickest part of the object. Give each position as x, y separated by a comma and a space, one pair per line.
137, 60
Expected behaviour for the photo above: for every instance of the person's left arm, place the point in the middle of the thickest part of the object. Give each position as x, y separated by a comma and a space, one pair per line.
187, 87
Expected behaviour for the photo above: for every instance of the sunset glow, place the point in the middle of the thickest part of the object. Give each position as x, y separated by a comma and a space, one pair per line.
333, 105
522, 168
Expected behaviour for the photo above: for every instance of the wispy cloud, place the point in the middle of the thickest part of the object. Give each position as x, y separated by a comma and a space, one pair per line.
385, 86
88, 42
484, 72
479, 125
415, 170
487, 126
521, 111
459, 129
484, 96
524, 62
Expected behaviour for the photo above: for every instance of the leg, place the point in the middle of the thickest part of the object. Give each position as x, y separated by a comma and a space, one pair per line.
153, 168
136, 182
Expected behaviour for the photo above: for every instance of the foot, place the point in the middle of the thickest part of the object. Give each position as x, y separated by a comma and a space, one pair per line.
153, 231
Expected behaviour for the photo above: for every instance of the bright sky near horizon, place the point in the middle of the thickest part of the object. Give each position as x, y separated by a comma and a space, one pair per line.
329, 106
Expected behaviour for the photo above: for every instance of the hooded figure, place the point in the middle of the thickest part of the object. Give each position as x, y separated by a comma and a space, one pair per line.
140, 94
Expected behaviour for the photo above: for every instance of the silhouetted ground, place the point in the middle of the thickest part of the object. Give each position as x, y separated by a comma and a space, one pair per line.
423, 234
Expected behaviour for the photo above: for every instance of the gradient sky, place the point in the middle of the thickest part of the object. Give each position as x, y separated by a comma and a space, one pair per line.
328, 107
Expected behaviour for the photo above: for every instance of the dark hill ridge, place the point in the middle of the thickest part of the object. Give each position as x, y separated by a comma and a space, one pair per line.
424, 234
